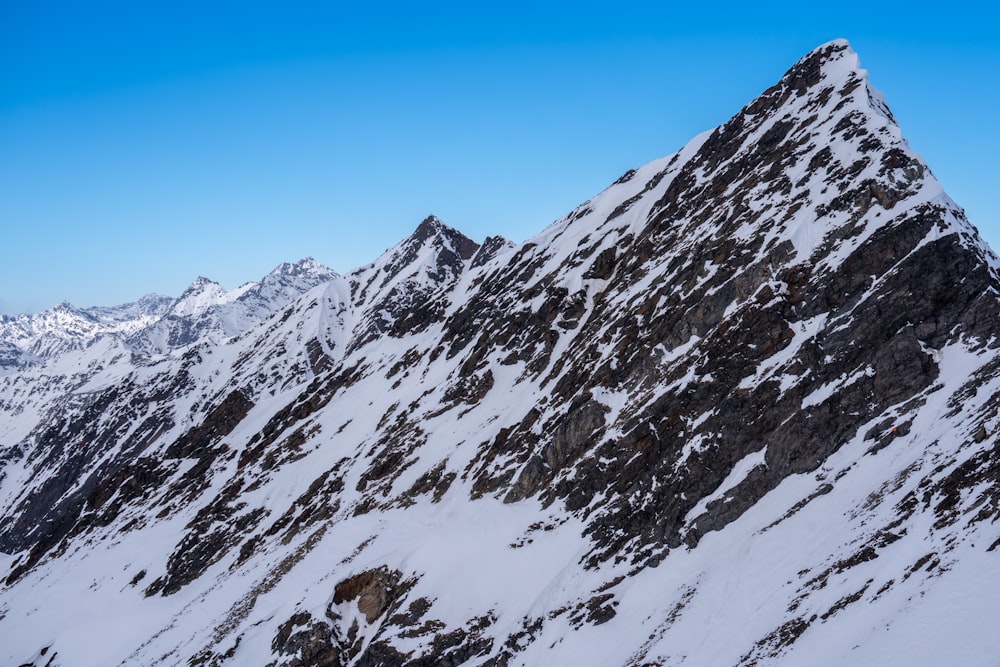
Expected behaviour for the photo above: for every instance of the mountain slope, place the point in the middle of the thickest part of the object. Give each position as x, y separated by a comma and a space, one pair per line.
740, 408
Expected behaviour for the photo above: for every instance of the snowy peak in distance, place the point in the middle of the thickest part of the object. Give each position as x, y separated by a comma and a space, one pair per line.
157, 324
207, 311
200, 295
30, 337
150, 305
286, 278
305, 269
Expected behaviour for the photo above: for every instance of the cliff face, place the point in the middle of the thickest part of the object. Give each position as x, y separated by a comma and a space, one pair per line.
739, 408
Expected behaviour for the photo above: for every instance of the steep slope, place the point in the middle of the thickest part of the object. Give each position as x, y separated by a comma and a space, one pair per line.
740, 408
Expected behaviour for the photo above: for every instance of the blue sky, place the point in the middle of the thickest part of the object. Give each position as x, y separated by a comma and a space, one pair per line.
143, 144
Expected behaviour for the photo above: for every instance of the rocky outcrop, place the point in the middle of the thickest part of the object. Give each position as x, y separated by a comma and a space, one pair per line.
371, 590
306, 643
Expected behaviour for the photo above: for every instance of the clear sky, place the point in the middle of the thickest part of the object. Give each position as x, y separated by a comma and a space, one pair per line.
143, 144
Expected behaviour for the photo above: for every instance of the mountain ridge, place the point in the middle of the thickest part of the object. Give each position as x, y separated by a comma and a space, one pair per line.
66, 327
748, 392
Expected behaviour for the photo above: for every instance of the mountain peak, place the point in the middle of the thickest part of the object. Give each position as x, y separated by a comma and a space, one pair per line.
304, 268
200, 283
200, 294
829, 69
433, 256
835, 51
431, 227
309, 264
834, 59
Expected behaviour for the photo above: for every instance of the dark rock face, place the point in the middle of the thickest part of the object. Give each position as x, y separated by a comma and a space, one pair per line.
91, 487
711, 345
308, 643
491, 248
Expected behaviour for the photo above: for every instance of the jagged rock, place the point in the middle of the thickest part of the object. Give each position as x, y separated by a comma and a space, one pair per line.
372, 589
308, 642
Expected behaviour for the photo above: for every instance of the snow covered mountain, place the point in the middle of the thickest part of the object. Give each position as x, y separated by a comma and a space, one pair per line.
207, 311
66, 327
740, 408
158, 324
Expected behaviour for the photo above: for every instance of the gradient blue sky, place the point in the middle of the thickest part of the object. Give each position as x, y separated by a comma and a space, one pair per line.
143, 144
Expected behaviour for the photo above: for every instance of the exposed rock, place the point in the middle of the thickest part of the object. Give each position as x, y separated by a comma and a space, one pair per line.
309, 643
373, 590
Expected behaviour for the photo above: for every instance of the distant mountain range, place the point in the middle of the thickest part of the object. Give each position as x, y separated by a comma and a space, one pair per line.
740, 408
157, 324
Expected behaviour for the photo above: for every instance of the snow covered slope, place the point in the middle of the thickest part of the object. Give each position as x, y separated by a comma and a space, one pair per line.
740, 408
